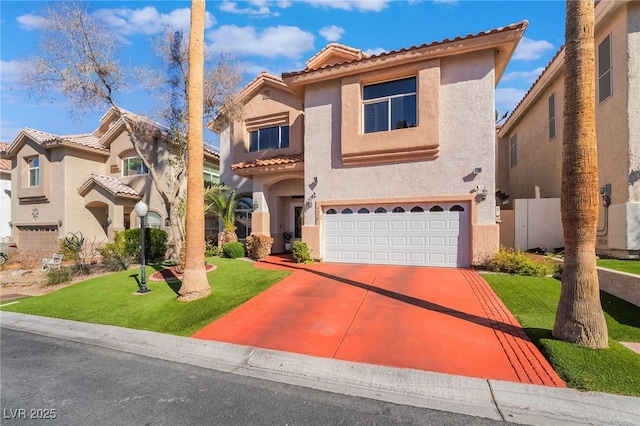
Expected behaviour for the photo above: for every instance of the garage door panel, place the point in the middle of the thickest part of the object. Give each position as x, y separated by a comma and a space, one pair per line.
407, 238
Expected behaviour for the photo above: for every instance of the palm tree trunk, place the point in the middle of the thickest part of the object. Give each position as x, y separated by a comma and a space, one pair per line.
579, 318
194, 283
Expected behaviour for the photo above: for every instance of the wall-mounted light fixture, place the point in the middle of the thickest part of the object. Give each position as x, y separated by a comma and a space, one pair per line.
167, 222
109, 222
255, 205
10, 224
483, 193
59, 222
477, 170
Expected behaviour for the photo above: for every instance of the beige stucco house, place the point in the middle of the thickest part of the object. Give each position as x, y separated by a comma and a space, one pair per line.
87, 183
530, 141
385, 158
5, 197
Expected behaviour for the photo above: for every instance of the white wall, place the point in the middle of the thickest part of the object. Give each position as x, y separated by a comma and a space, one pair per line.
5, 206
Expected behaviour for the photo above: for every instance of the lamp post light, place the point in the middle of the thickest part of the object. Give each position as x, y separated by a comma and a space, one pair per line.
142, 209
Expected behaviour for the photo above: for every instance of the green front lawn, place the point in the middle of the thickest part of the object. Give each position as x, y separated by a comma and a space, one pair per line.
109, 299
533, 301
630, 266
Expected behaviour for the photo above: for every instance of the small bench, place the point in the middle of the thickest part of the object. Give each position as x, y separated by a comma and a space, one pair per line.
54, 262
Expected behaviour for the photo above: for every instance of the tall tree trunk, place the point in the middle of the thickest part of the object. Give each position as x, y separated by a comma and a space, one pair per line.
579, 318
194, 283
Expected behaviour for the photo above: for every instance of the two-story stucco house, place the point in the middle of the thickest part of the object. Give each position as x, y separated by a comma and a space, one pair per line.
384, 159
88, 183
530, 141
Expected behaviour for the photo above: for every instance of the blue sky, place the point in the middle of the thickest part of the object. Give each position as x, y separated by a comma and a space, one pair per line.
275, 36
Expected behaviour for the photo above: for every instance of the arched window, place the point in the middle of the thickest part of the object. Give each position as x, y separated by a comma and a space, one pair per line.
456, 208
436, 209
363, 210
417, 209
332, 211
398, 210
347, 211
153, 220
381, 210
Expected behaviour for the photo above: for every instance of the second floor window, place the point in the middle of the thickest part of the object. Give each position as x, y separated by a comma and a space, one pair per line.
605, 83
552, 115
34, 171
269, 138
390, 105
133, 166
514, 150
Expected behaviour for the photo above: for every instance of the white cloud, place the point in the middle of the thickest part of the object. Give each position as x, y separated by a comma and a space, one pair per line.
332, 33
528, 49
359, 5
526, 76
375, 51
30, 22
260, 8
285, 41
508, 98
148, 20
10, 71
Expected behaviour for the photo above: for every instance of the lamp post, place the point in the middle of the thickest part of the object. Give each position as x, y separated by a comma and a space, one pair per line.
142, 209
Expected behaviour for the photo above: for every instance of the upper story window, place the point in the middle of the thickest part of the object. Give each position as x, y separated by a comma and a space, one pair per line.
390, 105
133, 166
605, 82
33, 165
211, 175
513, 150
552, 115
269, 138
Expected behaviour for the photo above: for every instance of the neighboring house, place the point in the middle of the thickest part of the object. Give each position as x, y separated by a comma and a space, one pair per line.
5, 197
385, 159
88, 183
530, 141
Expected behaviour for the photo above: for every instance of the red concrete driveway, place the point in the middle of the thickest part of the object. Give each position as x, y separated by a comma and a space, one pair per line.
435, 319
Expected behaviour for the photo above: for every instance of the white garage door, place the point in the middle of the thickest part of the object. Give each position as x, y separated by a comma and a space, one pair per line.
427, 234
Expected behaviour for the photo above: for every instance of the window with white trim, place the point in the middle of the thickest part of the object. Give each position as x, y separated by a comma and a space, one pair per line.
513, 150
33, 165
274, 137
605, 82
390, 106
132, 166
211, 175
552, 115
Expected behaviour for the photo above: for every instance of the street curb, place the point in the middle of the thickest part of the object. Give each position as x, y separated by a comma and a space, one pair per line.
494, 399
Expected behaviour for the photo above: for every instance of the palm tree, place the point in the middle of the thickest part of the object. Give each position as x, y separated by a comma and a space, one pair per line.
224, 203
194, 282
579, 318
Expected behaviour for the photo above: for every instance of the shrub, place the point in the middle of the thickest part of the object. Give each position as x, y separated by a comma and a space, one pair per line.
233, 250
516, 262
211, 247
301, 253
59, 276
259, 246
155, 245
115, 255
29, 259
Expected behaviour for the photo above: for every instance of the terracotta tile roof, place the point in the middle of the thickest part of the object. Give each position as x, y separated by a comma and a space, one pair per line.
109, 183
212, 150
4, 164
88, 140
270, 161
519, 25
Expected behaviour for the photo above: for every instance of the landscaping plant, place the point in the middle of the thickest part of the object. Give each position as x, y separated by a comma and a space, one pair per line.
512, 261
115, 255
301, 253
259, 246
233, 250
59, 276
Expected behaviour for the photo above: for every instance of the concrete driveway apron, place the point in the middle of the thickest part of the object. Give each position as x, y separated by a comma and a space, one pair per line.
445, 320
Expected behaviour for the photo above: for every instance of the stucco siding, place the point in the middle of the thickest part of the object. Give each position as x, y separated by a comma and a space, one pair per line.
5, 206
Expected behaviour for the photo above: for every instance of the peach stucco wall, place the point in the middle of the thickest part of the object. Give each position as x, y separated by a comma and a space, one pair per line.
466, 138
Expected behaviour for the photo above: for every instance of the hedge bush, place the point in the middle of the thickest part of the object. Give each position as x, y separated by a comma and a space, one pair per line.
259, 246
516, 262
115, 255
155, 244
301, 253
233, 250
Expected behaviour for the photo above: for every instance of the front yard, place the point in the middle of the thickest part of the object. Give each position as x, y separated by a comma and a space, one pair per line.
109, 299
533, 301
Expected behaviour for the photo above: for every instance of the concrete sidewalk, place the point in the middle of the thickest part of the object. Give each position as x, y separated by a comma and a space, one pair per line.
494, 399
